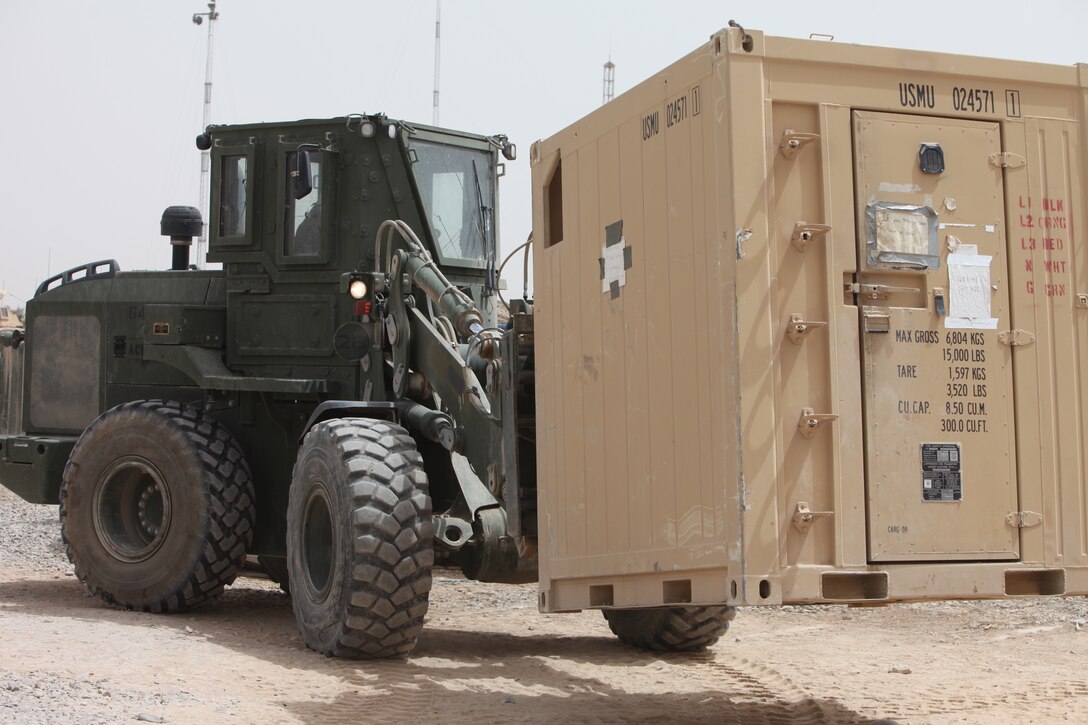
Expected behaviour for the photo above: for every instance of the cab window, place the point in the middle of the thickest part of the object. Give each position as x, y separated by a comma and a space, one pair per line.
457, 188
232, 196
302, 217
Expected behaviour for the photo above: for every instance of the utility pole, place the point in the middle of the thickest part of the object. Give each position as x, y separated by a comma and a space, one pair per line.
205, 156
609, 88
437, 53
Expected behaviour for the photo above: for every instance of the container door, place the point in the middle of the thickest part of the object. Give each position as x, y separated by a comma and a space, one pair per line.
931, 288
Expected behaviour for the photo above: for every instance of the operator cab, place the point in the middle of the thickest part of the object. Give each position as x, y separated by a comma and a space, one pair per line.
334, 182
295, 211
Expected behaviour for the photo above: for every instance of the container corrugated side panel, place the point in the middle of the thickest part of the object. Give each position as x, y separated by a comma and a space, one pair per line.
636, 435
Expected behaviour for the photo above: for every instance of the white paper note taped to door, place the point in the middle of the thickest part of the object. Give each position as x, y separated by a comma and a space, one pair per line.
903, 232
969, 292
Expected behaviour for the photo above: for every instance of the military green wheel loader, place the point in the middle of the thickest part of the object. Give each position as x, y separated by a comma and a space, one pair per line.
337, 402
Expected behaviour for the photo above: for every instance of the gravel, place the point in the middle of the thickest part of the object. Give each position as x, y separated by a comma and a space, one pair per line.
34, 697
30, 535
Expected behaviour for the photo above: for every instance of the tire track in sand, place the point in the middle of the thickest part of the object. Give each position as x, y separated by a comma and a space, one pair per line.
470, 677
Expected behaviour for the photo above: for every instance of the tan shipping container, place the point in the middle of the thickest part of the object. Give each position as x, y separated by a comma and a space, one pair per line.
811, 327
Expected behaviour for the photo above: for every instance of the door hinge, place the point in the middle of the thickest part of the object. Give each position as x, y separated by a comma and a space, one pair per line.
1016, 338
1023, 519
1006, 160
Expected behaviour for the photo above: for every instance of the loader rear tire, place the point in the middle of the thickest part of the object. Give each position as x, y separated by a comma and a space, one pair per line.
670, 629
156, 506
359, 539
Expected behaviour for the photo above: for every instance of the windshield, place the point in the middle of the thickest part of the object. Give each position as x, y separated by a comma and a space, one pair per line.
457, 185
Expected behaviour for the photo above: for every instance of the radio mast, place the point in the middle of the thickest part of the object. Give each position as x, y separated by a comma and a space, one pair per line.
437, 53
205, 156
609, 88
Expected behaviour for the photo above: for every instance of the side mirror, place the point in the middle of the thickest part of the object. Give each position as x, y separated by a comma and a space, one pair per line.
302, 180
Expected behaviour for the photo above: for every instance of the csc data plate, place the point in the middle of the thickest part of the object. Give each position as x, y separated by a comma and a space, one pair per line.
941, 477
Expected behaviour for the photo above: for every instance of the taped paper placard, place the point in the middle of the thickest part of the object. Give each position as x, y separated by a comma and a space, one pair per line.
969, 292
613, 270
901, 232
615, 260
966, 323
901, 236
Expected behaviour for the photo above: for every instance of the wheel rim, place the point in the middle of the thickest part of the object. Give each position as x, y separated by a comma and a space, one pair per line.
131, 509
317, 543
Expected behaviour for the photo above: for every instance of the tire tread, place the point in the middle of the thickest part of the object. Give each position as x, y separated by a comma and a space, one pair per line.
670, 629
231, 515
390, 573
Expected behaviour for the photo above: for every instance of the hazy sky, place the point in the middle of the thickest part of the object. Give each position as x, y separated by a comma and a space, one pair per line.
101, 101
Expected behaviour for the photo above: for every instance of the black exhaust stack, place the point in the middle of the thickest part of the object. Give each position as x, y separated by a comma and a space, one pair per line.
181, 224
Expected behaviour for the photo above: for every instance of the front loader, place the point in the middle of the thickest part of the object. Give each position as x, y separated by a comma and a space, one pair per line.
338, 402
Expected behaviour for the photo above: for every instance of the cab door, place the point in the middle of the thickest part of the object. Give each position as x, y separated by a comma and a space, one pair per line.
933, 298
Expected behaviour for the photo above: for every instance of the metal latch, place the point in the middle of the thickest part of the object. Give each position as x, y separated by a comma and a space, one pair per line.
1023, 519
803, 233
803, 516
792, 142
877, 321
811, 421
1016, 338
798, 327
877, 291
938, 302
1006, 160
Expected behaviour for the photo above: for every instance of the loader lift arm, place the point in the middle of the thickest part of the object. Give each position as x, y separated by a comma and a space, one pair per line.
428, 357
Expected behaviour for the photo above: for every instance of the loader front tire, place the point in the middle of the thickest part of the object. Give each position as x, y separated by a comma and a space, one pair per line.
156, 506
359, 539
670, 629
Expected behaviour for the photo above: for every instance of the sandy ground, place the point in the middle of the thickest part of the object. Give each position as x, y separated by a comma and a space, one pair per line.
487, 655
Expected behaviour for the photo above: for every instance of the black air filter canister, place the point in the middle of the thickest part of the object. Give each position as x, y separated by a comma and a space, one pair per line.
181, 224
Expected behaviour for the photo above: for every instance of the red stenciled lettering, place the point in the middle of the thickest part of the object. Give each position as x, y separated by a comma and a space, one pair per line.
1049, 203
1055, 290
1029, 265
1027, 221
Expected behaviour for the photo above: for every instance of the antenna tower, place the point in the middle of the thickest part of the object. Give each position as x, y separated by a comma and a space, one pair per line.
205, 156
437, 52
609, 88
